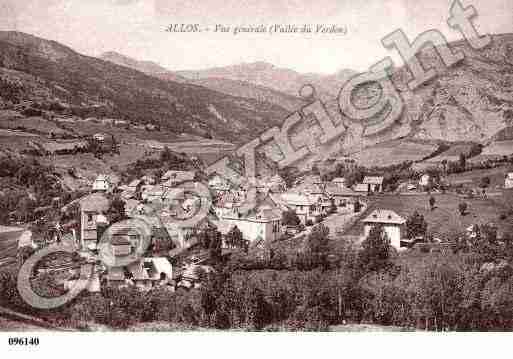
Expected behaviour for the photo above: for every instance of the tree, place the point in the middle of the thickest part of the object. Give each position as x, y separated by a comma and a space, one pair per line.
416, 225
432, 202
375, 251
355, 176
485, 182
116, 210
289, 175
234, 238
462, 208
318, 245
290, 218
256, 307
462, 162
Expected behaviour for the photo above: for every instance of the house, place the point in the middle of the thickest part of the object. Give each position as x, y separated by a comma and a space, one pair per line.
260, 224
116, 276
135, 185
424, 180
172, 178
508, 181
150, 272
339, 181
374, 183
102, 183
393, 225
159, 269
131, 206
92, 218
191, 275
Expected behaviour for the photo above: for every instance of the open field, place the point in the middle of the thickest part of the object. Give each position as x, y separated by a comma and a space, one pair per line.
445, 219
393, 153
499, 148
473, 178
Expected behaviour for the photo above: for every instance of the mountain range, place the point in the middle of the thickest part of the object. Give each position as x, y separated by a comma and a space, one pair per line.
276, 78
470, 101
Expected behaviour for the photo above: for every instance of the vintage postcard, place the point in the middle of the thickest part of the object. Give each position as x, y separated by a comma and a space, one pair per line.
262, 166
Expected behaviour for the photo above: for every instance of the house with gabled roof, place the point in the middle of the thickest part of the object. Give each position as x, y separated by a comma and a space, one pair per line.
339, 181
102, 183
393, 225
341, 196
261, 223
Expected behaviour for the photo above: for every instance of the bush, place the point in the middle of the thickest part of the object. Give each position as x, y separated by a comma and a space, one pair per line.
309, 223
462, 208
31, 112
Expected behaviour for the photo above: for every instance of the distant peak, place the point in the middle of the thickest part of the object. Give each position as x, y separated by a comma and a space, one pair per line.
260, 65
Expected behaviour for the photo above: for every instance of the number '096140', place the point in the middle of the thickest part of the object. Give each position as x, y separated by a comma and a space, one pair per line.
24, 341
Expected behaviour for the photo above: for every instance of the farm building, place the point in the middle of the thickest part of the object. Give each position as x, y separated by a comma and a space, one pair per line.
264, 225
393, 225
261, 223
60, 147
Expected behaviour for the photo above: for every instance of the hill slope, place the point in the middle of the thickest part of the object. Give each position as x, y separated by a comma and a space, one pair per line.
34, 69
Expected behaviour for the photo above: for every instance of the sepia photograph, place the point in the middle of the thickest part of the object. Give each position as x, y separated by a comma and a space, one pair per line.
278, 166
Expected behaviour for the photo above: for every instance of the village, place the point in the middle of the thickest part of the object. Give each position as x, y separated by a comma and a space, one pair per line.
177, 256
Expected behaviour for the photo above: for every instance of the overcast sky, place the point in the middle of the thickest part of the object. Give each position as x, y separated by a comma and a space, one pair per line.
136, 28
